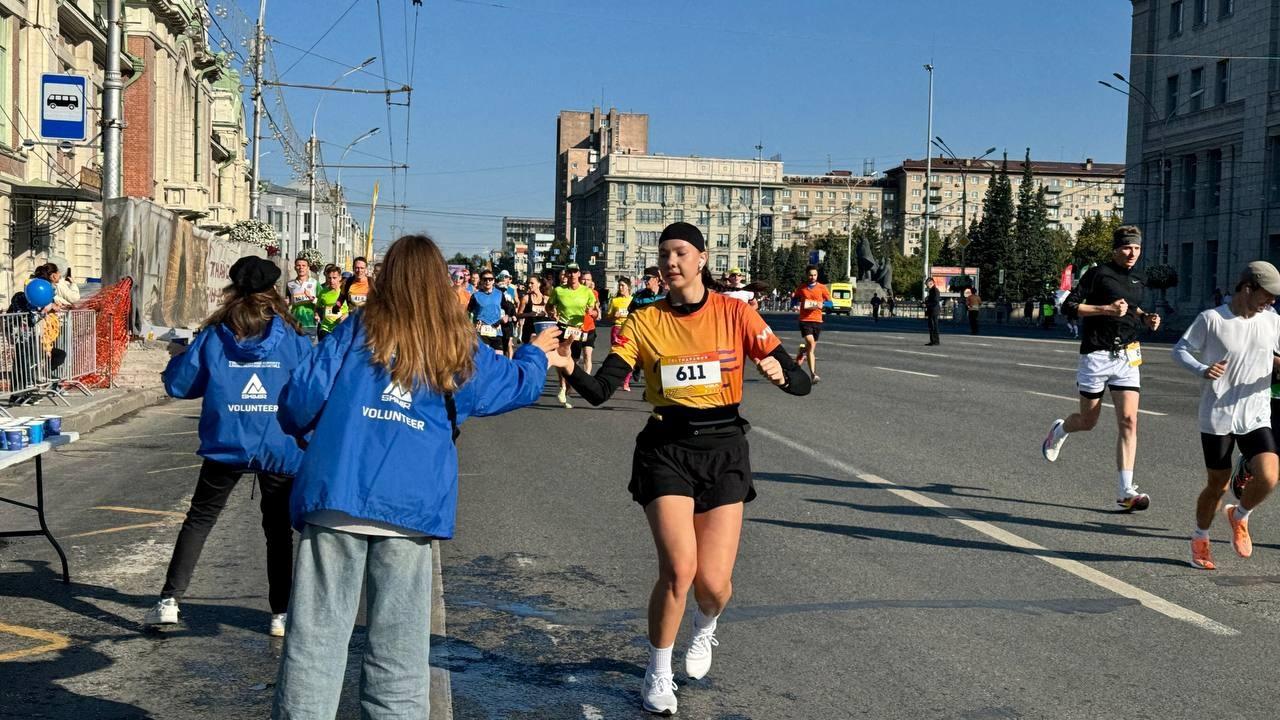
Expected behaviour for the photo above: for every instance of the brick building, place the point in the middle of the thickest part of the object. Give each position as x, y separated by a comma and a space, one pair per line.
583, 139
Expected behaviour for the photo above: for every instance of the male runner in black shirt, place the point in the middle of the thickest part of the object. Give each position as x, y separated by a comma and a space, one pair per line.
1106, 301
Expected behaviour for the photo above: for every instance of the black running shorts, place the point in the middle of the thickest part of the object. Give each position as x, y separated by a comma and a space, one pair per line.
496, 343
811, 328
1217, 448
590, 339
714, 469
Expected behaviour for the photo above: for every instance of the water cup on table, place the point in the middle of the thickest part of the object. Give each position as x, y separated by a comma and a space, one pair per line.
52, 425
15, 437
35, 431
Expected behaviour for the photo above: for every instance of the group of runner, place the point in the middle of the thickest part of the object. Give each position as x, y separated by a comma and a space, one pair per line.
318, 305
1234, 348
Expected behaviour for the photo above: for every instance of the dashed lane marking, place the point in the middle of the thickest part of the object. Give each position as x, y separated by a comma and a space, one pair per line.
180, 467
1079, 569
1105, 404
1045, 367
905, 372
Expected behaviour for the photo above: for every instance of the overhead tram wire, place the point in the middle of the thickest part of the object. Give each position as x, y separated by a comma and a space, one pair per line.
412, 55
326, 58
318, 40
391, 146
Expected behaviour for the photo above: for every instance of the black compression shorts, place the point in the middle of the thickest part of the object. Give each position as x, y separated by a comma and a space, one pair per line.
811, 328
1217, 448
497, 343
714, 469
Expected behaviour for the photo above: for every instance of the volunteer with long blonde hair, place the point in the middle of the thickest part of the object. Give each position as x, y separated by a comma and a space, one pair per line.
381, 401
691, 469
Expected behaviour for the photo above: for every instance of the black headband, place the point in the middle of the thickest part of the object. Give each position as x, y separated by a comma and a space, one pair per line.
686, 232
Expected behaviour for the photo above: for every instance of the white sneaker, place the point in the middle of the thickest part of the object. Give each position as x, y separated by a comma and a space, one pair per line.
1050, 448
164, 612
659, 693
277, 624
697, 660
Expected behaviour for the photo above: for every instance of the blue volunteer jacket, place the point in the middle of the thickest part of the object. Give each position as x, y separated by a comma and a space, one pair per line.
382, 452
241, 382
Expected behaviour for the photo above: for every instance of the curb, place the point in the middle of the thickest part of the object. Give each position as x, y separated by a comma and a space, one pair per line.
132, 401
441, 688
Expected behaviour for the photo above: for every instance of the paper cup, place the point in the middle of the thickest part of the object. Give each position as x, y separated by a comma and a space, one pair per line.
35, 431
15, 439
543, 325
52, 425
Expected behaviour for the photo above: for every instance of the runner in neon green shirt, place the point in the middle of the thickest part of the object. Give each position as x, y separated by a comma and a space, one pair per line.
570, 304
332, 311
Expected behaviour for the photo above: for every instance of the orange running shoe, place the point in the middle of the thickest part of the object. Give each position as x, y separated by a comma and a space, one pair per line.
1201, 555
1240, 539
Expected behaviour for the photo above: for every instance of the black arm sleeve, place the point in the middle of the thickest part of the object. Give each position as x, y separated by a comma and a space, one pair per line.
597, 388
798, 381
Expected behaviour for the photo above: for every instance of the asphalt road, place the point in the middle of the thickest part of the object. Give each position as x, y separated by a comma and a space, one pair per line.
910, 556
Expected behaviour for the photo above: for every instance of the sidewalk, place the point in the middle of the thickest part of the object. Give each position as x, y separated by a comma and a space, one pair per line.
136, 386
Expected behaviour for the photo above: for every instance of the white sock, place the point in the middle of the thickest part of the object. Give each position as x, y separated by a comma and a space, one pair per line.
1241, 513
702, 622
1126, 483
660, 660
1200, 534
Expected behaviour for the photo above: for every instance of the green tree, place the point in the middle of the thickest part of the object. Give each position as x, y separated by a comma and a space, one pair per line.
762, 260
1061, 248
836, 247
1093, 239
949, 252
459, 259
991, 242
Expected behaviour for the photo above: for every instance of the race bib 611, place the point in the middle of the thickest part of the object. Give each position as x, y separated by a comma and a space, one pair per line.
686, 376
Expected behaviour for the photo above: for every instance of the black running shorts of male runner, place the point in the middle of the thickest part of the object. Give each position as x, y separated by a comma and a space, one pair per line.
1217, 448
494, 342
810, 328
713, 469
590, 338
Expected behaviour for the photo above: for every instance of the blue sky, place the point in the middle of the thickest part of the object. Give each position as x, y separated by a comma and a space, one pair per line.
808, 78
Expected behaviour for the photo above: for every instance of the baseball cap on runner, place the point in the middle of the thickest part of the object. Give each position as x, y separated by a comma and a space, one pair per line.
652, 272
572, 266
1126, 235
1262, 274
735, 271
503, 273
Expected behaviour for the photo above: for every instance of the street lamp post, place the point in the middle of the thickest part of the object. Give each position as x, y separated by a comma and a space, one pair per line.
928, 177
1164, 144
338, 188
964, 190
311, 154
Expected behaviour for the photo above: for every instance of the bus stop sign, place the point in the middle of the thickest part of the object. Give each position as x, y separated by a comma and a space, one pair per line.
63, 111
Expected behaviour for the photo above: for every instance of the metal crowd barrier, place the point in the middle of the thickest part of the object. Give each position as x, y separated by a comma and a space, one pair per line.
42, 357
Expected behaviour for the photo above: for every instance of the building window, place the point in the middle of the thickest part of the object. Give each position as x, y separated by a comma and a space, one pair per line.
1202, 13
722, 263
722, 240
743, 242
1171, 95
648, 237
704, 195
726, 196
915, 192
1196, 94
621, 237
723, 218
766, 197
1215, 179
619, 259
678, 216
306, 223
744, 196
1188, 184
915, 207
1175, 18
1226, 8
650, 193
804, 194
704, 217
649, 215
1221, 80
622, 213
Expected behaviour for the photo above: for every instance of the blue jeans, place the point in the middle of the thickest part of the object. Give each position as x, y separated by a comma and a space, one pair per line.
395, 680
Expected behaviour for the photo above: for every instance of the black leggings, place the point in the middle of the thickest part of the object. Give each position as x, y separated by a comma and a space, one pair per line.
1217, 448
216, 482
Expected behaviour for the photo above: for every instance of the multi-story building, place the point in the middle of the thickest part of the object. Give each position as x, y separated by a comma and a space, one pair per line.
50, 192
184, 119
583, 139
813, 205
525, 239
286, 209
621, 207
957, 187
1203, 143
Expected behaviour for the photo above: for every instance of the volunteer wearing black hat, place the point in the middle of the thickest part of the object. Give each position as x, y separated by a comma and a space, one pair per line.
691, 469
1234, 347
239, 363
1107, 301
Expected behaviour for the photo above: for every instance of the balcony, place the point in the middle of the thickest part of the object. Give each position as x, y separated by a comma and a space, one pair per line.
1054, 189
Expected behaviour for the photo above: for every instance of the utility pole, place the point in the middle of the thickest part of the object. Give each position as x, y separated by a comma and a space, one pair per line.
111, 87
311, 191
928, 177
254, 194
848, 254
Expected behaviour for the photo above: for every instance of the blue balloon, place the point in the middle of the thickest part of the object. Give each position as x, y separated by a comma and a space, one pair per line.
39, 293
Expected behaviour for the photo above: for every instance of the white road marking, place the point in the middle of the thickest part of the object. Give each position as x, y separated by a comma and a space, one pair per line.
1033, 340
1044, 367
907, 372
1079, 569
970, 342
1105, 404
181, 467
591, 712
917, 352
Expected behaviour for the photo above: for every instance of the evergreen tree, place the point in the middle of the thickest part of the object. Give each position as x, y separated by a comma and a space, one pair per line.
991, 242
761, 263
835, 246
949, 253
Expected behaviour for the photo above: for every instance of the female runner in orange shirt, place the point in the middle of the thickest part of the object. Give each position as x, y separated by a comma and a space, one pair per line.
691, 469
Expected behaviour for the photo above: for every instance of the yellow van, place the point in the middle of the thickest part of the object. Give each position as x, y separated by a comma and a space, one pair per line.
841, 298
